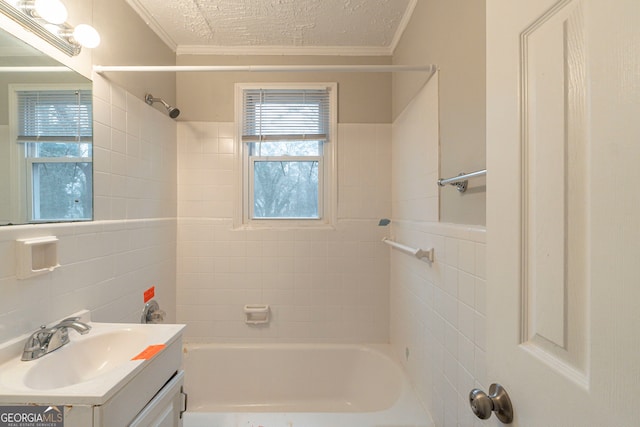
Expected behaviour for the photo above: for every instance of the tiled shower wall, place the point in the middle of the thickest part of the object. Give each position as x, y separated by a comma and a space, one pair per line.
322, 284
438, 316
437, 309
106, 264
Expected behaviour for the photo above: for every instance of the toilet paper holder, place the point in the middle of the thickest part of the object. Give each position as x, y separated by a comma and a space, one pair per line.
256, 314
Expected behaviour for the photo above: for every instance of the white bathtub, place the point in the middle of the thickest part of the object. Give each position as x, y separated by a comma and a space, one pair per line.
288, 385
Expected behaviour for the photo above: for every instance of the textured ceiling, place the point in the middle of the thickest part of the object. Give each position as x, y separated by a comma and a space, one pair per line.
277, 26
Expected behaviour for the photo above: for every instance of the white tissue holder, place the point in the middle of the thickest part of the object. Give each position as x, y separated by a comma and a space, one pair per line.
36, 256
256, 314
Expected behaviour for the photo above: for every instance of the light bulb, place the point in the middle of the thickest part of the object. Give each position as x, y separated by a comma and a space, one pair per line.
52, 11
87, 36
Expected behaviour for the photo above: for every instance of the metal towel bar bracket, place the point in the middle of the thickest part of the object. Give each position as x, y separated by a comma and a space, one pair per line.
460, 181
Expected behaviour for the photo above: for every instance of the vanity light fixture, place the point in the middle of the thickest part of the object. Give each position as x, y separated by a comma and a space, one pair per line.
86, 36
47, 19
52, 11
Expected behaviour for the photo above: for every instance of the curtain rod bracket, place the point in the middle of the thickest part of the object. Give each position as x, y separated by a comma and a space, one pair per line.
461, 181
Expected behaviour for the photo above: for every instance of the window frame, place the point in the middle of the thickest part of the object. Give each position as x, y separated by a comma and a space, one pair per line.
22, 193
327, 165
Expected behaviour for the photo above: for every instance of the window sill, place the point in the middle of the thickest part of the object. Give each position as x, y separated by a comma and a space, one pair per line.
284, 225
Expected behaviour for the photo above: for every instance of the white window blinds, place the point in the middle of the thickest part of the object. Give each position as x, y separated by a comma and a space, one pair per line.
54, 116
285, 115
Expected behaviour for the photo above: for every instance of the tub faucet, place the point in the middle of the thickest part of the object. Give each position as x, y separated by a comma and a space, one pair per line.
45, 340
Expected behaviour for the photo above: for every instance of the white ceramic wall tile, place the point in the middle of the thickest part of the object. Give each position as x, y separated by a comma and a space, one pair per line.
481, 296
133, 108
452, 315
102, 111
322, 285
119, 118
118, 97
481, 261
364, 174
95, 273
466, 288
415, 158
467, 254
101, 88
206, 171
289, 270
466, 321
101, 136
447, 297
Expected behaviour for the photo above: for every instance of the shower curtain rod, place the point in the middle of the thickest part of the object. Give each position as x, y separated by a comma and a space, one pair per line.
264, 68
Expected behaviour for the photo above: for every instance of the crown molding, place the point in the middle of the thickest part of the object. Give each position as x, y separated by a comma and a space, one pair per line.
285, 50
153, 24
403, 25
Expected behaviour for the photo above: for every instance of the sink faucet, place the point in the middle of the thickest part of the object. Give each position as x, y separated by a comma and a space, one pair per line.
45, 340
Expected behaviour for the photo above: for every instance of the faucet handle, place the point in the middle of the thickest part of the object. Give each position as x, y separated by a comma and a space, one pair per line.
156, 316
34, 343
45, 340
152, 313
33, 348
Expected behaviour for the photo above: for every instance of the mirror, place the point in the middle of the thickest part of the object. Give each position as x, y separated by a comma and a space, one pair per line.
46, 168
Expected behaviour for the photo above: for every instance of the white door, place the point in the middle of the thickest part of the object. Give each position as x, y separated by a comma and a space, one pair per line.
563, 216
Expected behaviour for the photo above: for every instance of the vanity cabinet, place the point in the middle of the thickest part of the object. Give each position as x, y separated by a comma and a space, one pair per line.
160, 382
163, 410
166, 408
117, 375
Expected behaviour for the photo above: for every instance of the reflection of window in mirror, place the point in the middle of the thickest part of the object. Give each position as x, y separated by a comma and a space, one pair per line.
51, 126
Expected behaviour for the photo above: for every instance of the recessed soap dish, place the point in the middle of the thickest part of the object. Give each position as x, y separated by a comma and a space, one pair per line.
256, 314
36, 256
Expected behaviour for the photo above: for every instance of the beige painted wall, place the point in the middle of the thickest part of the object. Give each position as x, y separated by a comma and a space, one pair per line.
128, 40
363, 97
451, 34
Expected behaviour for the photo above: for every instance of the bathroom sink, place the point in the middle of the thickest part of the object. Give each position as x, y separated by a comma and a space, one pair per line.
84, 359
91, 367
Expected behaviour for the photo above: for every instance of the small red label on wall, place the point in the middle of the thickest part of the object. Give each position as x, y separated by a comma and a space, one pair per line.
149, 352
149, 293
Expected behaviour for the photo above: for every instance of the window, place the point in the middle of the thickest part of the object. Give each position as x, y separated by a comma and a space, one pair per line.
54, 134
287, 147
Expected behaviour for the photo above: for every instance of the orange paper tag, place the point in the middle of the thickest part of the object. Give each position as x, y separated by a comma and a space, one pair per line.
149, 352
149, 293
